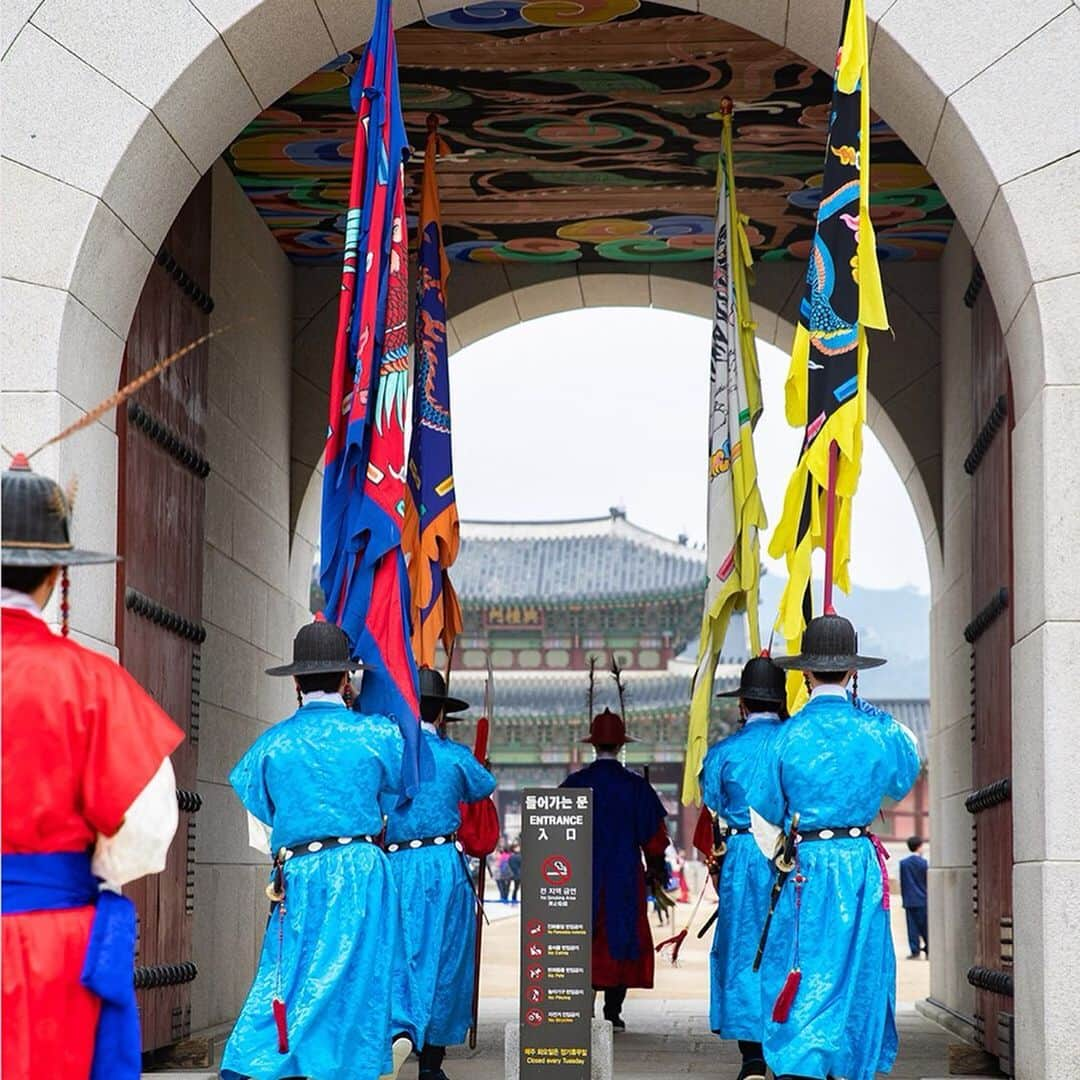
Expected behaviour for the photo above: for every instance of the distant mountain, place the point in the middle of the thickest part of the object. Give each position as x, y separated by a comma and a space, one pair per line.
893, 623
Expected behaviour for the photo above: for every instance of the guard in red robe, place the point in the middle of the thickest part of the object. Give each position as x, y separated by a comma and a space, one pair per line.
88, 804
628, 822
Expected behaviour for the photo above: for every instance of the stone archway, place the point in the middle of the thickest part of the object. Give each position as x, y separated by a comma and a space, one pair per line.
111, 116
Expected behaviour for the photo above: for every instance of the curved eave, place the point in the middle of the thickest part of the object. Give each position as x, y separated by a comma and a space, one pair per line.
592, 601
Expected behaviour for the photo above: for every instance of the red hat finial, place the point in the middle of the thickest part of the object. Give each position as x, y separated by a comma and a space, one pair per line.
20, 462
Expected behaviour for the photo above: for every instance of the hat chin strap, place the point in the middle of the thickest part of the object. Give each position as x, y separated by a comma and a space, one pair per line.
65, 601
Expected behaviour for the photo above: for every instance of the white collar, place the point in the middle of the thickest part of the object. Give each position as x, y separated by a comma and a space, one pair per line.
20, 601
829, 690
754, 717
428, 727
322, 695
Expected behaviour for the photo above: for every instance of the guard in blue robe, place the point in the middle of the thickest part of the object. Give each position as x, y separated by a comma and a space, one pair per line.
828, 974
629, 821
320, 1005
433, 994
745, 876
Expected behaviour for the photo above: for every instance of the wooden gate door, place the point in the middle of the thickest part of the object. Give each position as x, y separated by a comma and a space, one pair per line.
990, 634
159, 597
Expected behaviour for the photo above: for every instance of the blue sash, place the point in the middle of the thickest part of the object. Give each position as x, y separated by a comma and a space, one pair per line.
64, 880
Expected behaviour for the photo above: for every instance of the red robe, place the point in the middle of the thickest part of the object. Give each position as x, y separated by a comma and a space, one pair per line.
81, 739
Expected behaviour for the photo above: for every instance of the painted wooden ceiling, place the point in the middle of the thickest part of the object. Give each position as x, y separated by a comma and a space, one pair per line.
584, 130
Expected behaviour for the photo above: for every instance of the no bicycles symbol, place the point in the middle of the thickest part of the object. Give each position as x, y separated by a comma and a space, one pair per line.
556, 869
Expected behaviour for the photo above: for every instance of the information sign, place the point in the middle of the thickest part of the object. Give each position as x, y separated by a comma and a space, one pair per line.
556, 933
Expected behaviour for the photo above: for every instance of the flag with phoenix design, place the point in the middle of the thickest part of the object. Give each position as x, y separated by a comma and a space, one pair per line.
736, 514
432, 532
826, 383
363, 568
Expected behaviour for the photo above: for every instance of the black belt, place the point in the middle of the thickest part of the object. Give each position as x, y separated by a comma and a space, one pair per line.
425, 841
276, 889
733, 830
846, 832
312, 847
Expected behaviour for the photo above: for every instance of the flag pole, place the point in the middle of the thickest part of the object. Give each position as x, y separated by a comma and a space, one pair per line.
830, 527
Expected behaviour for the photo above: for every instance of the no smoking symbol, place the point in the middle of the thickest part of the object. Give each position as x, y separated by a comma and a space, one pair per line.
556, 870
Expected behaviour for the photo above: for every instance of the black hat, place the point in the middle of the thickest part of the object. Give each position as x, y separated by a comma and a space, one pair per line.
829, 643
319, 648
762, 680
37, 521
433, 692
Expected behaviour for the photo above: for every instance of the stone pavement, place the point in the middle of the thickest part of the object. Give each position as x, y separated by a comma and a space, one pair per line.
667, 1037
668, 1032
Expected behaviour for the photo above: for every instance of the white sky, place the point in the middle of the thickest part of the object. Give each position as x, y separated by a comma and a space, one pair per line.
565, 416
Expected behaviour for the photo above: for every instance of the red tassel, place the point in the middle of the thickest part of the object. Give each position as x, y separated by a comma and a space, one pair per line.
781, 1009
282, 1030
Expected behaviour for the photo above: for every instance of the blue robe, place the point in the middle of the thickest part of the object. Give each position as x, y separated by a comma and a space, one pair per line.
745, 882
432, 998
321, 773
833, 763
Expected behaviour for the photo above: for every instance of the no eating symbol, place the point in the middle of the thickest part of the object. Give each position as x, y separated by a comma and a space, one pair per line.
556, 870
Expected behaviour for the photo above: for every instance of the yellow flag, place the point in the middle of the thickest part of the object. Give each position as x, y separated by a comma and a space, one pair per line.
736, 512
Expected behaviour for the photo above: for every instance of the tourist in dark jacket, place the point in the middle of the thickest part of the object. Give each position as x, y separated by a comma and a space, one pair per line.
913, 893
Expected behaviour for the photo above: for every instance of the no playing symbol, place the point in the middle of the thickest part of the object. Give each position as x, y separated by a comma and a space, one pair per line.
556, 870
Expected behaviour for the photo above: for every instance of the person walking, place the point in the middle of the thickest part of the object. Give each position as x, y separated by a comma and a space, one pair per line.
680, 876
913, 870
321, 1002
433, 990
628, 822
741, 874
88, 805
502, 872
828, 968
514, 865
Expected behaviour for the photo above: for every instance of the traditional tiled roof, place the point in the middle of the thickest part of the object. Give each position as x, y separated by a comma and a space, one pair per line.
590, 559
561, 695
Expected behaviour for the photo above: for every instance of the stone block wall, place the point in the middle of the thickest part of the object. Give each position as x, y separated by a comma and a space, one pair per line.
248, 610
952, 926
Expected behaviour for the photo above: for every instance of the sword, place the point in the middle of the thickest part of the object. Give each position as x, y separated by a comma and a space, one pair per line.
716, 864
784, 861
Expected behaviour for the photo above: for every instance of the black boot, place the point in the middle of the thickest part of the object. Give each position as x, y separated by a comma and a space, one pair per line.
431, 1059
753, 1061
613, 1003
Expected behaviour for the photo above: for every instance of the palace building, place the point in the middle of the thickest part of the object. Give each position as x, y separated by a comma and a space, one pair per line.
543, 598
540, 599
